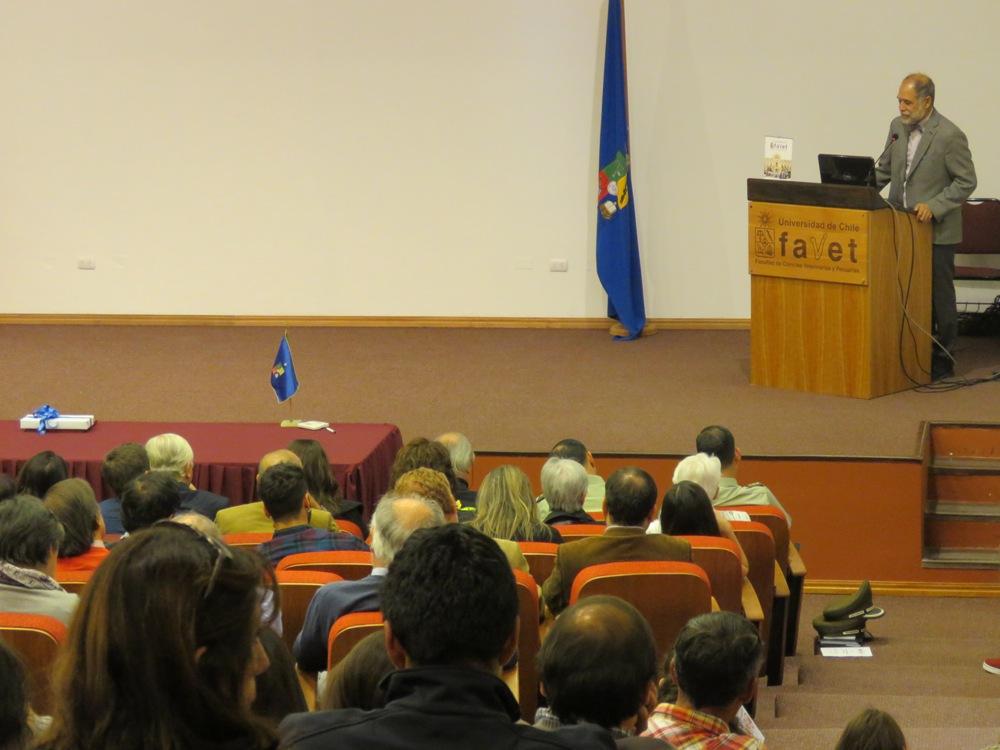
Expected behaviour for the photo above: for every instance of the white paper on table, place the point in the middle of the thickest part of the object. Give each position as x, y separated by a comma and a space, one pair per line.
847, 651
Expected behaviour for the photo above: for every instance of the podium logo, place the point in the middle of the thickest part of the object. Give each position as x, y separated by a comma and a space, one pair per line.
764, 243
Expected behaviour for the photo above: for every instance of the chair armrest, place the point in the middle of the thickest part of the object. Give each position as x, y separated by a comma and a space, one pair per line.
796, 566
780, 584
751, 604
307, 681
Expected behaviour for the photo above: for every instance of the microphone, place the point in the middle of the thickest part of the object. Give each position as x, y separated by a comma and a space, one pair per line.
871, 173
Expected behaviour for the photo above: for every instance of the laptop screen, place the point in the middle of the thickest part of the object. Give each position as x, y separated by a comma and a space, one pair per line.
836, 169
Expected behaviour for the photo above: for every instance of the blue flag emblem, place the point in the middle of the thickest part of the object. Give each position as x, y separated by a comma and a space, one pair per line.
617, 242
283, 379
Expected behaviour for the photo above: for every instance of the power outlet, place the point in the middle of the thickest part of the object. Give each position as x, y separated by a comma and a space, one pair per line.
86, 264
559, 265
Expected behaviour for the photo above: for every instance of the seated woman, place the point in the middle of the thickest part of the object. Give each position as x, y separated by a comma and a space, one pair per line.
507, 510
355, 681
687, 511
40, 472
82, 549
323, 485
164, 650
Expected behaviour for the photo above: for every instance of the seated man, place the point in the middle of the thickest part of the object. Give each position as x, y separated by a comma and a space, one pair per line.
573, 666
287, 503
170, 452
29, 548
719, 442
251, 518
395, 518
150, 497
715, 664
121, 465
629, 507
577, 451
462, 457
564, 484
451, 610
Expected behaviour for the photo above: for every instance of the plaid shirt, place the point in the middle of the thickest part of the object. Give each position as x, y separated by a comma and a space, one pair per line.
687, 729
306, 538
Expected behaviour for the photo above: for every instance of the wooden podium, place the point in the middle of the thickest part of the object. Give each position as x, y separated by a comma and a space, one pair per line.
832, 268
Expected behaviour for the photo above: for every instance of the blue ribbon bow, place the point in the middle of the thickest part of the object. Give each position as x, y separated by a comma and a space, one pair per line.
44, 414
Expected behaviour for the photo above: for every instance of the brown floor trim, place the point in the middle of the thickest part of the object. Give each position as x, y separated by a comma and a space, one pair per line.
907, 588
308, 321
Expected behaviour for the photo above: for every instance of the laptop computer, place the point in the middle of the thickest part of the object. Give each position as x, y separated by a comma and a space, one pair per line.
836, 169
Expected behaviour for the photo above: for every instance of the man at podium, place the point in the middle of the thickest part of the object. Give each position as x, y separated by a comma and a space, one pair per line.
929, 165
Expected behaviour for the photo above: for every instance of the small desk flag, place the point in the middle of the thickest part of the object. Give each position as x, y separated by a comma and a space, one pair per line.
283, 378
617, 243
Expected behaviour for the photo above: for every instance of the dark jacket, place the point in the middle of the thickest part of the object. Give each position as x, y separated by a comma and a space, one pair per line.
437, 708
201, 501
559, 517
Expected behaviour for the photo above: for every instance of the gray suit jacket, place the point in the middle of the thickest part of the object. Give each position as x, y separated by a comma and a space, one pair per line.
942, 175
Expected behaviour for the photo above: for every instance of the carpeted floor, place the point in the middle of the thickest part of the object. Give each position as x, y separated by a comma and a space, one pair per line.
509, 390
925, 671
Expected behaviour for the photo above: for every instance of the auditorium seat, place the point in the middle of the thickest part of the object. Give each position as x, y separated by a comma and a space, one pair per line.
528, 643
792, 565
350, 565
297, 588
347, 631
570, 531
720, 559
772, 591
541, 557
247, 539
667, 593
36, 640
350, 527
75, 581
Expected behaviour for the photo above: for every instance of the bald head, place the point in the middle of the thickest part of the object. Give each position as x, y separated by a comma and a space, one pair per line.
280, 456
396, 517
574, 662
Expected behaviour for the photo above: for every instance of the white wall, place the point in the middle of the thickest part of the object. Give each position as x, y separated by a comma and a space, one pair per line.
388, 157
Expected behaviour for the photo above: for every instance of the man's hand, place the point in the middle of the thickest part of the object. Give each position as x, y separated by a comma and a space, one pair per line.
923, 212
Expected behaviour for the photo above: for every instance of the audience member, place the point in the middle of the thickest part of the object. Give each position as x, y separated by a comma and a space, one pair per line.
450, 607
629, 506
40, 472
462, 457
7, 487
74, 505
278, 690
15, 725
564, 485
29, 547
323, 485
150, 497
507, 508
422, 452
396, 517
250, 518
171, 452
598, 665
872, 730
356, 681
199, 523
715, 664
121, 465
164, 651
286, 500
577, 451
687, 510
718, 441
434, 486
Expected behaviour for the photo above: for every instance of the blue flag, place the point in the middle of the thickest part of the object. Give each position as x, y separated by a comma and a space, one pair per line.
283, 378
617, 243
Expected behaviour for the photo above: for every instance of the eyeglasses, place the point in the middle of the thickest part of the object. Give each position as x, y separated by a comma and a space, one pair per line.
221, 551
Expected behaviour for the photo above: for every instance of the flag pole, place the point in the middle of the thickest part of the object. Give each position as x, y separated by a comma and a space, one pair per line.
291, 421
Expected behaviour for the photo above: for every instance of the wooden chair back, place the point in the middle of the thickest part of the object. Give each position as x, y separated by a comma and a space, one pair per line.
541, 557
571, 531
297, 588
347, 631
350, 565
36, 639
247, 539
776, 522
667, 593
720, 559
350, 527
758, 545
528, 643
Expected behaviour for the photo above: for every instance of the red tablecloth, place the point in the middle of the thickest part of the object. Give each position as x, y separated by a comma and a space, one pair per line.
225, 454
